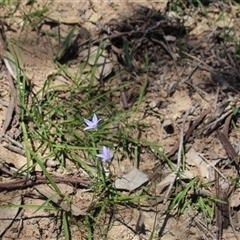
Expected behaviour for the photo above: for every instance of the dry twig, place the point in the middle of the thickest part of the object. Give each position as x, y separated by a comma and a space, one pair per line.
23, 182
181, 142
189, 132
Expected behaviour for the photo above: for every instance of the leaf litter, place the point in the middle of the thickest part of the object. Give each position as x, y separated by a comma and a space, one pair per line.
131, 181
8, 214
208, 76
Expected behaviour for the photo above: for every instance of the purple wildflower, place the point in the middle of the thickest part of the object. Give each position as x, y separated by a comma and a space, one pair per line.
106, 154
92, 124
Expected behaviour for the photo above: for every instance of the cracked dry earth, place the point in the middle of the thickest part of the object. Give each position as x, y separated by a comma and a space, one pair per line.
192, 70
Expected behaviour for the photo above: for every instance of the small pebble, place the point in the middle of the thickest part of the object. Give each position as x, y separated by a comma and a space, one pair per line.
152, 104
49, 169
51, 163
59, 170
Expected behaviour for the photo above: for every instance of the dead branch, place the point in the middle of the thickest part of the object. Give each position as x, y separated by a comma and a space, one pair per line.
23, 182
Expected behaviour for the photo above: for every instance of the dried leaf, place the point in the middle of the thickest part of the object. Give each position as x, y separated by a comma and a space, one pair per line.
95, 17
193, 159
131, 181
225, 21
200, 29
98, 57
171, 177
7, 215
12, 158
234, 200
49, 193
55, 16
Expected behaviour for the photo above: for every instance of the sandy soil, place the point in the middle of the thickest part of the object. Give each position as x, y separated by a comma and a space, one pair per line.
174, 87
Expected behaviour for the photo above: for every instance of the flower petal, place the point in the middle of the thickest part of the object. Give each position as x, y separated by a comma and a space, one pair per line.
88, 122
94, 118
105, 150
87, 128
101, 155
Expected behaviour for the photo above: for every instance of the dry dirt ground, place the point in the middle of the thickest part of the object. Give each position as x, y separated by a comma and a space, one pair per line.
193, 69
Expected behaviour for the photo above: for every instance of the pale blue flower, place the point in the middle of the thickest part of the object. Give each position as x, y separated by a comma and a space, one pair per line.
106, 154
92, 124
